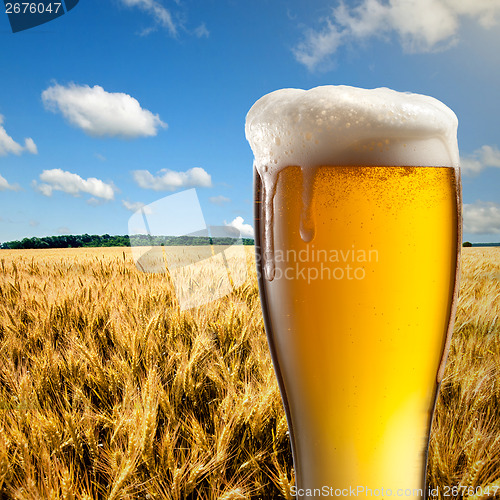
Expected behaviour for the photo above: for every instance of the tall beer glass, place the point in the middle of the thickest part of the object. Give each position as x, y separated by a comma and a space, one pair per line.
358, 231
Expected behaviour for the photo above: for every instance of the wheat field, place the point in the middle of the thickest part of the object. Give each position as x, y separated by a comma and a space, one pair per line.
109, 391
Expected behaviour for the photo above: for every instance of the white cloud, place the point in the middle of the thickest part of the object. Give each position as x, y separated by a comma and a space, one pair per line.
171, 20
68, 182
202, 31
99, 113
169, 180
45, 189
318, 45
482, 217
423, 25
95, 202
219, 200
133, 206
63, 230
160, 14
5, 186
420, 25
470, 166
10, 146
490, 156
484, 157
485, 11
246, 230
30, 146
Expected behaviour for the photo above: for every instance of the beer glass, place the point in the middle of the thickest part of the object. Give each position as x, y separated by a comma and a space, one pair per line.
357, 233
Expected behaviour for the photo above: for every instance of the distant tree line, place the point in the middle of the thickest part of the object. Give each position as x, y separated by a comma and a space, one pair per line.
469, 244
105, 240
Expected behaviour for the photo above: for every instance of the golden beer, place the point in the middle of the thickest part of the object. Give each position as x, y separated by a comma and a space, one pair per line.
358, 232
358, 319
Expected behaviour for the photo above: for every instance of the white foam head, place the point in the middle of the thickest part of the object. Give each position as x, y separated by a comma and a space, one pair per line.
340, 125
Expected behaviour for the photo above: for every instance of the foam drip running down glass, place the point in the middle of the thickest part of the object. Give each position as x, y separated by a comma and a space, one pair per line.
358, 233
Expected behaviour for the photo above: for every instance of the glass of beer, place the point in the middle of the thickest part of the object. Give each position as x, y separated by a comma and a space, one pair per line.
357, 233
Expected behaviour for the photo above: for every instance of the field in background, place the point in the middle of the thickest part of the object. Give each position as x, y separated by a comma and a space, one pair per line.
465, 443
108, 390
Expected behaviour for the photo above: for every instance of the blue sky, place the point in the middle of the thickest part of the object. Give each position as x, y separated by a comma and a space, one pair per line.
123, 102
